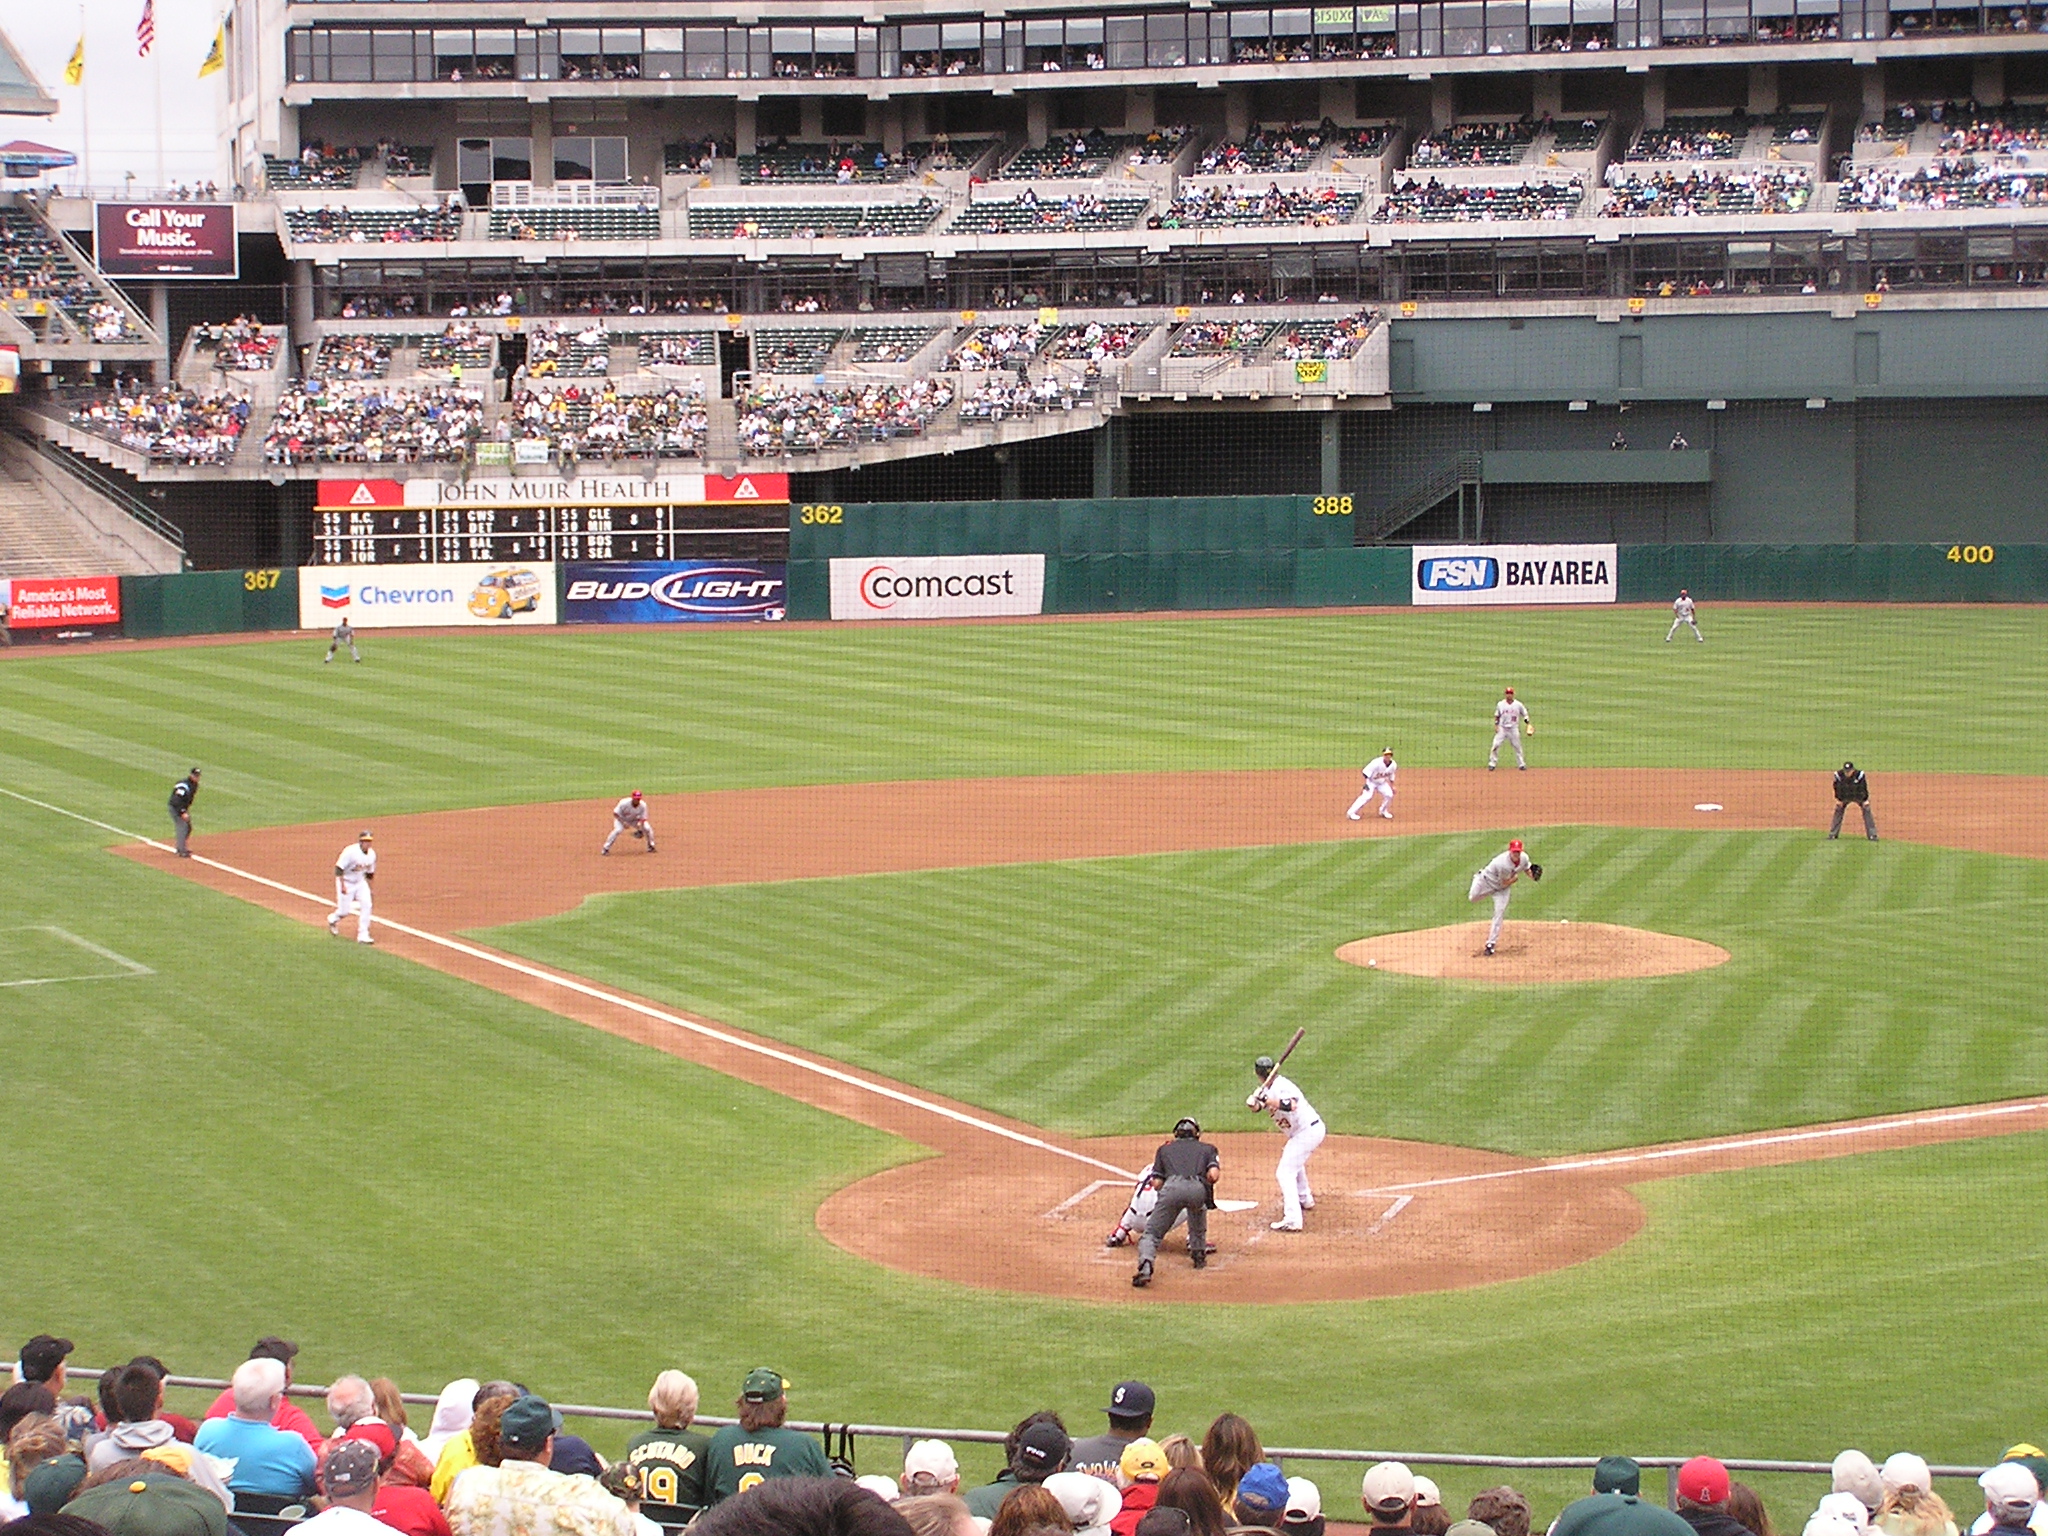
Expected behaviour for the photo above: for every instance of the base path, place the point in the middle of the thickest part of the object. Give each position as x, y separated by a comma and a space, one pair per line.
1391, 1218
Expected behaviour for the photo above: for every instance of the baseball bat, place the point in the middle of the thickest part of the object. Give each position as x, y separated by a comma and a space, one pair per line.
1281, 1060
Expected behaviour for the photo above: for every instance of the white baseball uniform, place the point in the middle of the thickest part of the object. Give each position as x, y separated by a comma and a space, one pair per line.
1144, 1197
352, 873
1495, 880
1681, 608
1297, 1119
1509, 716
630, 815
1379, 780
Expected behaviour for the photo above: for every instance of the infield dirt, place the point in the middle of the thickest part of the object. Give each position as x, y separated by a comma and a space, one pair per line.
1391, 1217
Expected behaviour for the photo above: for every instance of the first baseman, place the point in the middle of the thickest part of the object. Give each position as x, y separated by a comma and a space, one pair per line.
630, 815
1510, 719
183, 793
1497, 879
1681, 613
1297, 1119
1379, 780
344, 634
353, 872
1186, 1169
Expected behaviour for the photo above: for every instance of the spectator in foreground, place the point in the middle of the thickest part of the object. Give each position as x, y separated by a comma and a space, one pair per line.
758, 1444
1856, 1473
1090, 1503
1388, 1493
1502, 1510
1138, 1474
523, 1495
141, 1498
1428, 1517
944, 1514
38, 1440
1260, 1503
1229, 1450
1911, 1506
670, 1456
1616, 1510
803, 1506
452, 1413
1039, 1448
2010, 1497
2036, 1462
1189, 1490
1618, 1474
405, 1507
1029, 1511
142, 1431
349, 1479
266, 1459
1703, 1498
459, 1452
1304, 1515
1746, 1509
289, 1415
1131, 1405
929, 1466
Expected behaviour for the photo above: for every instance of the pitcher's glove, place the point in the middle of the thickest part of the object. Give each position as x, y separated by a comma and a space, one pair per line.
1535, 871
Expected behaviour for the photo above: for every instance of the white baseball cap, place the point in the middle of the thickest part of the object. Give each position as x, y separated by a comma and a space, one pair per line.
1427, 1494
1090, 1502
1902, 1469
1847, 1507
880, 1486
933, 1459
1388, 1486
1304, 1501
2010, 1485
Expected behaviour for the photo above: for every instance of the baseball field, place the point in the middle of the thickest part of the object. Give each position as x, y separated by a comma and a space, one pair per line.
949, 924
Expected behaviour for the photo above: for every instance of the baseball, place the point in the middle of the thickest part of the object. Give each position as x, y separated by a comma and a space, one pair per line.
1564, 922
1374, 964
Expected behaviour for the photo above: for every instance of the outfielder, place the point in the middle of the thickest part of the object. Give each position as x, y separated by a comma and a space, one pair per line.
344, 634
630, 815
1296, 1119
1510, 719
353, 872
1681, 610
1497, 879
1186, 1169
1379, 780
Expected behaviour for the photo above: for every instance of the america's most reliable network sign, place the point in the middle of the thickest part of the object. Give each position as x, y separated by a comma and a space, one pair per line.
1477, 575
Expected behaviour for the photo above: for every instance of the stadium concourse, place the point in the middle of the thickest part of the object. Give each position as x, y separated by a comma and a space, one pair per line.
497, 1456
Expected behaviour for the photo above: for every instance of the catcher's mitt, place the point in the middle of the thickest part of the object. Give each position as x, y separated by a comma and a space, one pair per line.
1535, 871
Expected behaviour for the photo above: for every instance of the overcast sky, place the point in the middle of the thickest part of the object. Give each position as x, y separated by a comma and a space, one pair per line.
121, 87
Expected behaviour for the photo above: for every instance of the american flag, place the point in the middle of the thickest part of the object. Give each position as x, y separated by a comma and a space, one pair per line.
145, 29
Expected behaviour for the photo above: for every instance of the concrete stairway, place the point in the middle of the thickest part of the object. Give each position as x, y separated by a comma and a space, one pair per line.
38, 539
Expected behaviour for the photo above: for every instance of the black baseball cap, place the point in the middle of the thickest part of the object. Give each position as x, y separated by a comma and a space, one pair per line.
1131, 1400
41, 1356
1043, 1449
271, 1347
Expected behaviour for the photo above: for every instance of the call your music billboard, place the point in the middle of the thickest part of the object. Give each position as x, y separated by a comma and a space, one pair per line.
165, 239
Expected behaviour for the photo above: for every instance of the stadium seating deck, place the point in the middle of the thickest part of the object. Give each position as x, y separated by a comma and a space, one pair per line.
604, 222
1429, 202
457, 345
803, 221
799, 349
1578, 138
1692, 138
890, 343
1220, 338
822, 164
1475, 144
694, 349
1032, 215
331, 170
354, 356
357, 225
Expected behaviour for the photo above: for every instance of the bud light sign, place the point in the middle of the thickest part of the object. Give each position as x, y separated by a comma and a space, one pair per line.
1504, 574
671, 592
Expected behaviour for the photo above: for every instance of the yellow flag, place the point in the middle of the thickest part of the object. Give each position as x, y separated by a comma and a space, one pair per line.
217, 55
74, 72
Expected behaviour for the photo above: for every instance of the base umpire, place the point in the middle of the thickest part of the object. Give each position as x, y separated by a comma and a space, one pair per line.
1852, 788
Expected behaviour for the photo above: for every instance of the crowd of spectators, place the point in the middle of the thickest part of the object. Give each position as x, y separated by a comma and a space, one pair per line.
171, 424
1327, 339
34, 265
1432, 202
497, 1457
1958, 183
406, 225
241, 345
557, 351
775, 421
601, 421
1029, 214
1263, 150
1778, 189
1317, 207
1002, 399
352, 357
1096, 342
316, 165
998, 347
1476, 144
676, 349
1217, 338
1716, 138
2008, 130
318, 422
462, 343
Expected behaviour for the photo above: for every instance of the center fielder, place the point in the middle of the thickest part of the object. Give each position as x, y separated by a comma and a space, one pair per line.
630, 815
1497, 879
1379, 780
1510, 719
1681, 613
353, 872
344, 634
1295, 1118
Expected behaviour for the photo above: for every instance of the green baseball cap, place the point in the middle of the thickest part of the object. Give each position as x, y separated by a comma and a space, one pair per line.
763, 1385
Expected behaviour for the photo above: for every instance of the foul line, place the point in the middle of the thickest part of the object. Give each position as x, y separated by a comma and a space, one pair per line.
1390, 1213
1733, 1144
599, 994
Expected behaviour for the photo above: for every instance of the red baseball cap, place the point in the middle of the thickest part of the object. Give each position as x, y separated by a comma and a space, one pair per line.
1703, 1480
1515, 846
375, 1433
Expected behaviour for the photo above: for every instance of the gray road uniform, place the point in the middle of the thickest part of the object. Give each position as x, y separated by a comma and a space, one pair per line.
1186, 1168
1496, 880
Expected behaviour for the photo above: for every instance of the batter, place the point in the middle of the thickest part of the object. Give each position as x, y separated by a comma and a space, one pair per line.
1497, 880
1379, 780
630, 815
1510, 719
353, 872
1296, 1119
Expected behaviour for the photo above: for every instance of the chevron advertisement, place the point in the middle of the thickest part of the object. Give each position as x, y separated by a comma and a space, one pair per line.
480, 595
1504, 575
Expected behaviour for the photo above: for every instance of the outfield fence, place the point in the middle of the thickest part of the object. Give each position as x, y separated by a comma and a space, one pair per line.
902, 1435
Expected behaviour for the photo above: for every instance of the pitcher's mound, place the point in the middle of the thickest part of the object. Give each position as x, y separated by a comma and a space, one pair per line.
1531, 953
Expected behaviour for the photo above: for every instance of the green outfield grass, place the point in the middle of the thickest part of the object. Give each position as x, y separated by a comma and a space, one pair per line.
275, 1132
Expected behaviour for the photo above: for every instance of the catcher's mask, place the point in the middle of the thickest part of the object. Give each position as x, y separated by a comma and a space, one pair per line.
1264, 1066
1185, 1128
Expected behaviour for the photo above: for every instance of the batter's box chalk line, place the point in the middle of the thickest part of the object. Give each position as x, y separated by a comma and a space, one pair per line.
124, 970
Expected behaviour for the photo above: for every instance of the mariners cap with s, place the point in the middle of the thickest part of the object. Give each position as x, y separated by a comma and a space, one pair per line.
763, 1385
1131, 1400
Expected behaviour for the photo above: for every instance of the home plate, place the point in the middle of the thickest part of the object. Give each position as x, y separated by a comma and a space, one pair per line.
1710, 806
1236, 1205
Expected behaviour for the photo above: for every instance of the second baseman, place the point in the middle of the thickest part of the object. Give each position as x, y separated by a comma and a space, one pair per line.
1497, 880
1297, 1119
1379, 780
353, 872
1510, 719
630, 815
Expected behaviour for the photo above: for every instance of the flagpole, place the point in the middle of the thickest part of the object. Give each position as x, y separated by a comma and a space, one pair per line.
157, 79
85, 106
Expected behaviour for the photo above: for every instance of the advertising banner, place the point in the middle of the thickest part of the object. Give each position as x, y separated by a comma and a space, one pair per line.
62, 607
478, 594
938, 587
1478, 575
589, 490
360, 493
166, 239
672, 592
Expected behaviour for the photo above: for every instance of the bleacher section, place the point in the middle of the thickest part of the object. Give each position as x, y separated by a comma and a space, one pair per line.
810, 221
1030, 214
774, 423
1692, 138
169, 424
1475, 144
330, 170
694, 158
35, 265
1778, 189
1579, 138
603, 422
795, 350
1213, 207
354, 356
890, 343
1946, 184
821, 164
953, 153
359, 225
1096, 342
1221, 338
409, 159
319, 423
240, 347
1330, 339
557, 351
622, 221
1263, 151
1430, 202
675, 349
458, 345
1000, 398
1091, 154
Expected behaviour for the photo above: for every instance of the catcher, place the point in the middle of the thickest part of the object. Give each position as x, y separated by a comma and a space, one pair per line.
1497, 880
630, 815
1131, 1224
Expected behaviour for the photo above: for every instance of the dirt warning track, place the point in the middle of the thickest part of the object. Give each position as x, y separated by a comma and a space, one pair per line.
1392, 1217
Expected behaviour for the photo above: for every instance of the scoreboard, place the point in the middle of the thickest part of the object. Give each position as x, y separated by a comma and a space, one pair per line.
371, 522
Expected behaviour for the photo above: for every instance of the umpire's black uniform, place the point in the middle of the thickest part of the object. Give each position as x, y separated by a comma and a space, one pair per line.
1852, 788
183, 793
1186, 1168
